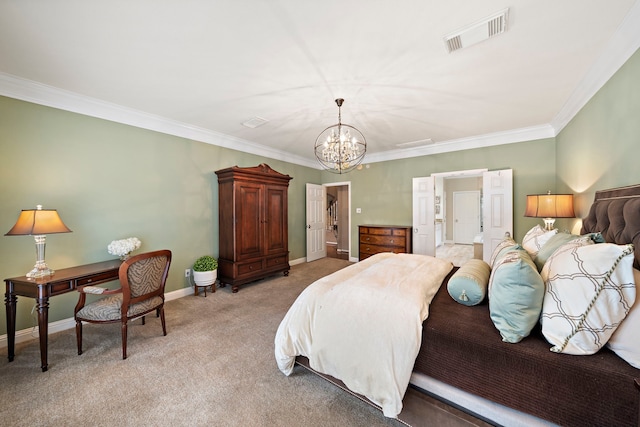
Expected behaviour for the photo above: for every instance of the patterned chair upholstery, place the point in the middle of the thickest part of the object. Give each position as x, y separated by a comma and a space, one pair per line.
142, 280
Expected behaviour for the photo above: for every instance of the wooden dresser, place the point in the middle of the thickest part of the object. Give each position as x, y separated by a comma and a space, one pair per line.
384, 238
253, 224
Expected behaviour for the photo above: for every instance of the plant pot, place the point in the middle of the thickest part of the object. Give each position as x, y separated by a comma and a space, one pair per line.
205, 278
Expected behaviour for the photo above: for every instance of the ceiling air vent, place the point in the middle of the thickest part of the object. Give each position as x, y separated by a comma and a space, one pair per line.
254, 122
477, 32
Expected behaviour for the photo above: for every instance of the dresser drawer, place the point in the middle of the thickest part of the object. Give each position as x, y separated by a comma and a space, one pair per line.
384, 231
276, 261
399, 241
249, 267
375, 249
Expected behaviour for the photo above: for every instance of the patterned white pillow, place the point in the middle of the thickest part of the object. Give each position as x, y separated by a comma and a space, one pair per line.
624, 341
589, 291
535, 239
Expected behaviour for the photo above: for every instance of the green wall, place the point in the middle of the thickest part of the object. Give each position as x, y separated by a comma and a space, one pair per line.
598, 149
110, 181
384, 190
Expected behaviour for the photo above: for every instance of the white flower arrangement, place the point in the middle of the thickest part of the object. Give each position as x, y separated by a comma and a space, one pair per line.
124, 247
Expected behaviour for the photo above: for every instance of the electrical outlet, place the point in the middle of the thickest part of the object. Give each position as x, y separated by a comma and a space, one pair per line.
187, 273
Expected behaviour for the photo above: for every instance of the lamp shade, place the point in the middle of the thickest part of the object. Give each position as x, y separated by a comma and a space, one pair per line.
37, 222
550, 206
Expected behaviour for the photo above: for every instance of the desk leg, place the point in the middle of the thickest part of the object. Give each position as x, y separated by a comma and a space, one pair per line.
43, 329
10, 301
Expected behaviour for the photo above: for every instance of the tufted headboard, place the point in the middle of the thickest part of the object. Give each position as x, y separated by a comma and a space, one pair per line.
616, 214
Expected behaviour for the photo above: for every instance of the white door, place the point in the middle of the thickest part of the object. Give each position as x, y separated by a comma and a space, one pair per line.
316, 222
466, 216
424, 217
497, 209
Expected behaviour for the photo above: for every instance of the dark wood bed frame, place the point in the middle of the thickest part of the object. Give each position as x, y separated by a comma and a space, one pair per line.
462, 348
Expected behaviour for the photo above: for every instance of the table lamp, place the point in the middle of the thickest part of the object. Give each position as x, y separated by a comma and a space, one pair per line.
549, 207
38, 223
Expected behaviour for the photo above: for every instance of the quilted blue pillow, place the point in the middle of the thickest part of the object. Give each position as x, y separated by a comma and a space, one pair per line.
516, 292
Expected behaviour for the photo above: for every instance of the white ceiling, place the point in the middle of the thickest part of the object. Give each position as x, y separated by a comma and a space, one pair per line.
200, 68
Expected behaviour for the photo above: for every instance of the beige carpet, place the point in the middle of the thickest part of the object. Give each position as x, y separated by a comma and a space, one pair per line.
215, 367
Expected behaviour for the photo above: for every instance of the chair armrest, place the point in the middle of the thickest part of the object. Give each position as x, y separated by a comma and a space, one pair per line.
96, 290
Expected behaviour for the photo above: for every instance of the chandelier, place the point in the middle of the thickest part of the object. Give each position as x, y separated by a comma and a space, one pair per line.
340, 148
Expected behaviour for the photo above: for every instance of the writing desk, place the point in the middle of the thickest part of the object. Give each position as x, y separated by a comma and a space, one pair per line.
41, 288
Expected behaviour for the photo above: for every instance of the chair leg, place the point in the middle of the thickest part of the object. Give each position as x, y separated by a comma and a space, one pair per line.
143, 320
124, 340
164, 326
79, 335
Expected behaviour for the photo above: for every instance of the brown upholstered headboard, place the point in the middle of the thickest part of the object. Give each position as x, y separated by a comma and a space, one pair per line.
616, 214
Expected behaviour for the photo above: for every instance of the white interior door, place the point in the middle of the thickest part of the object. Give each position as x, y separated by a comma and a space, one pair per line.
424, 218
466, 214
497, 209
316, 222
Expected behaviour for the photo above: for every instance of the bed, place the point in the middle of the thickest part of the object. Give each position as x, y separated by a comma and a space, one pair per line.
465, 355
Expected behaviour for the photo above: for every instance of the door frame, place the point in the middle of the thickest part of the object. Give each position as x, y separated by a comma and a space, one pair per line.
348, 210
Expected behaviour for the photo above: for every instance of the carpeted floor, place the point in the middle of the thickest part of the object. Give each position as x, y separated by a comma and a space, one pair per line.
214, 367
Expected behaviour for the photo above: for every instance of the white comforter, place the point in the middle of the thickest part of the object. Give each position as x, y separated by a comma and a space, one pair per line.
363, 324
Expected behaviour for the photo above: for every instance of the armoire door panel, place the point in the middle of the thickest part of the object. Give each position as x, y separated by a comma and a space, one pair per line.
276, 220
249, 221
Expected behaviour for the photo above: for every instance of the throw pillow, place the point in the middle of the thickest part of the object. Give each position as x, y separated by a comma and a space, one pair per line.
468, 285
624, 341
516, 291
505, 243
589, 291
535, 239
551, 246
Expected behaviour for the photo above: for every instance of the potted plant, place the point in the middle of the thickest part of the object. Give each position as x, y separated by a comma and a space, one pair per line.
205, 270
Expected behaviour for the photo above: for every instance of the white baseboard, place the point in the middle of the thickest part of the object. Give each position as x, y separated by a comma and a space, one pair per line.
64, 324
298, 261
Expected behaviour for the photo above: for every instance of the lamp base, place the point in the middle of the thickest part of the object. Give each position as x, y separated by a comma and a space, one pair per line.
548, 223
41, 269
39, 272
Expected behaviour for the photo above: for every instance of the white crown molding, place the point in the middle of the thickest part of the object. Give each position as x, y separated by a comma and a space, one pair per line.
624, 43
497, 138
38, 93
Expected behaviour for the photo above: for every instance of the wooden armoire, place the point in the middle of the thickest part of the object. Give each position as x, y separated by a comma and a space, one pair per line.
253, 224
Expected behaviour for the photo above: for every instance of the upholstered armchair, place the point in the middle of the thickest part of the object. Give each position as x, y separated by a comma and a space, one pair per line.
142, 280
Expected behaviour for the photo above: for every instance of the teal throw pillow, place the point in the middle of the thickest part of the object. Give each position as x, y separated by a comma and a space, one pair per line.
468, 285
516, 292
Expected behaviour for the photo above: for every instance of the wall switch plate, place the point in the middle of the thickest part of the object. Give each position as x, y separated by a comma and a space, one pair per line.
187, 273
